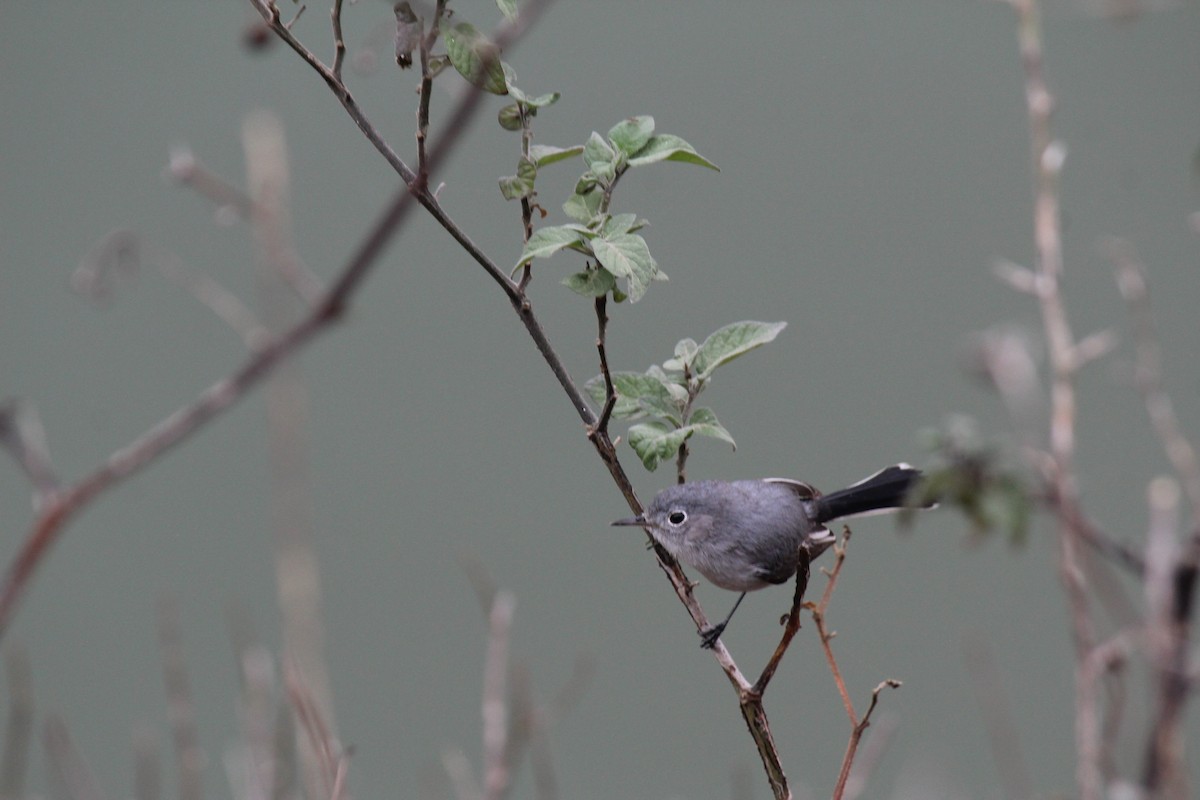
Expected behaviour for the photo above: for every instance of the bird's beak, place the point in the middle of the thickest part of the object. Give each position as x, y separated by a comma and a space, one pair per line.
638, 520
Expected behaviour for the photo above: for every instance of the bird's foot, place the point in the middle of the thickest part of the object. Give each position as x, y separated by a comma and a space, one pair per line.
709, 636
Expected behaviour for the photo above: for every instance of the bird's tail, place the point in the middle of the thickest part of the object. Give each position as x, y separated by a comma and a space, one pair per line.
886, 490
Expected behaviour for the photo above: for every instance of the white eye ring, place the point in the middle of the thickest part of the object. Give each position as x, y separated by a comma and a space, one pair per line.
677, 517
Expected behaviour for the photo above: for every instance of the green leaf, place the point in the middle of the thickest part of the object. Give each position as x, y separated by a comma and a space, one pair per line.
731, 341
585, 184
656, 441
543, 100
635, 391
583, 207
510, 117
597, 153
514, 187
546, 242
543, 154
631, 135
510, 79
508, 8
686, 351
667, 147
626, 255
437, 64
475, 57
619, 223
591, 282
704, 422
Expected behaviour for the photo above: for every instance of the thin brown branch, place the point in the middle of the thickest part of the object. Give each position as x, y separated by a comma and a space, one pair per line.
791, 621
869, 757
1047, 157
497, 771
67, 767
824, 634
298, 582
997, 718
181, 424
147, 771
18, 730
426, 93
1149, 374
839, 789
184, 167
313, 724
1097, 736
181, 710
1164, 771
610, 391
22, 435
339, 41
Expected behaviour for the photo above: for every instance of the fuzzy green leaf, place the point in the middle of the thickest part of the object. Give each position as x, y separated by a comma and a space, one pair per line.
667, 147
597, 153
627, 256
633, 389
704, 422
543, 100
631, 135
514, 187
474, 56
546, 242
508, 8
509, 117
591, 282
655, 442
543, 154
583, 207
731, 341
620, 223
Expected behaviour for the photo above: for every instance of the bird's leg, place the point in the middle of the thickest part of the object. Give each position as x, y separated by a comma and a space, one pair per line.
709, 636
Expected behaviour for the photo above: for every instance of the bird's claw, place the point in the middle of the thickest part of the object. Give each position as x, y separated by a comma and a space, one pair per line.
709, 636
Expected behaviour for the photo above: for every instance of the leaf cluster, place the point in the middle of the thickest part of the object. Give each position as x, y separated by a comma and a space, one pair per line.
611, 243
970, 474
665, 395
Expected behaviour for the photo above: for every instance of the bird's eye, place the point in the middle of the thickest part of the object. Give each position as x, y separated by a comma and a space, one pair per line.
676, 517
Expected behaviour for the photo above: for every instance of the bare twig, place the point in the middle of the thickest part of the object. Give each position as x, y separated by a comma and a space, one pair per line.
1047, 157
183, 166
426, 93
329, 754
458, 769
1164, 770
497, 772
993, 705
1131, 279
178, 426
339, 42
18, 730
610, 391
869, 757
860, 727
825, 635
1097, 737
187, 170
22, 434
791, 621
181, 710
298, 582
147, 771
67, 766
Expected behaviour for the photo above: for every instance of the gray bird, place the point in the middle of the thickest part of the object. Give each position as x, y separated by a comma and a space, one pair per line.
744, 535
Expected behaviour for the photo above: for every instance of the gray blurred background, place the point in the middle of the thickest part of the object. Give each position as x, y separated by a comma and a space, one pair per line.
874, 166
